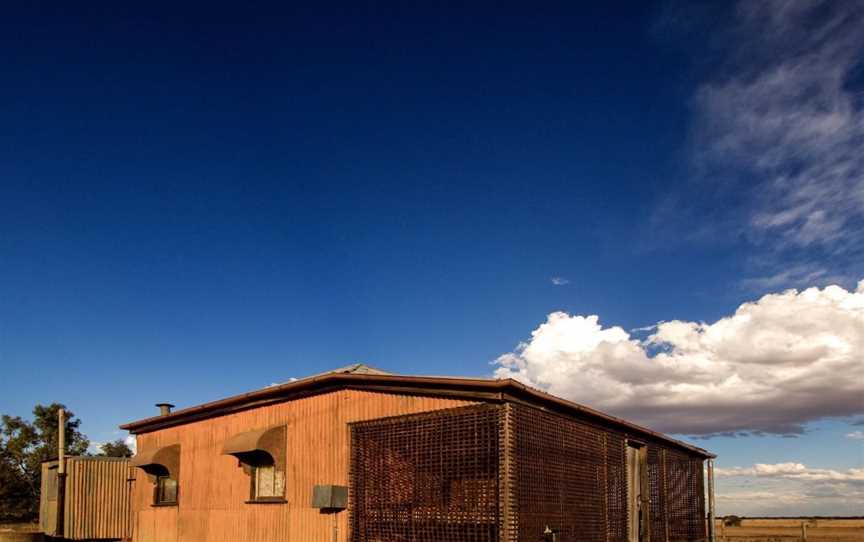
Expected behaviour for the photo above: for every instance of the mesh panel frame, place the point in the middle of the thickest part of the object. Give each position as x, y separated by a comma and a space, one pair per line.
551, 491
491, 473
432, 477
684, 480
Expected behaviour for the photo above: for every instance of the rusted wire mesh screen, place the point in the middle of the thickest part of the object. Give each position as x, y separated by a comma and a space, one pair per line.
571, 476
616, 487
684, 487
560, 474
489, 473
432, 477
657, 493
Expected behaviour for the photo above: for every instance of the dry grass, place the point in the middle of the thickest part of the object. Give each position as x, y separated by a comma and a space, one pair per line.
20, 532
790, 529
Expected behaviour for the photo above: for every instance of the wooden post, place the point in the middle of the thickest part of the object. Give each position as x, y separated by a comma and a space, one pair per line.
804, 530
665, 490
505, 485
61, 473
605, 488
711, 533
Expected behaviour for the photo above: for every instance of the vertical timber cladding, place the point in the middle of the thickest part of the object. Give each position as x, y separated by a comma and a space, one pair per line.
431, 477
571, 476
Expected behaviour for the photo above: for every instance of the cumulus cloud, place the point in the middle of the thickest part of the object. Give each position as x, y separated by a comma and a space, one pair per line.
559, 281
787, 117
774, 365
789, 489
855, 435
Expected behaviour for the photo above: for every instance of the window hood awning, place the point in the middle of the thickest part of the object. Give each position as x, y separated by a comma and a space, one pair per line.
159, 461
270, 440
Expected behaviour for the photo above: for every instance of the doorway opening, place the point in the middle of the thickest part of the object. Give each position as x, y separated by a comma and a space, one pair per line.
637, 492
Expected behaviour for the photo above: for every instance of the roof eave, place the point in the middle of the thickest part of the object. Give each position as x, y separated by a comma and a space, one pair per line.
419, 384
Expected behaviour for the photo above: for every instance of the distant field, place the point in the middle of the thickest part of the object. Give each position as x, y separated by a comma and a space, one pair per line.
789, 529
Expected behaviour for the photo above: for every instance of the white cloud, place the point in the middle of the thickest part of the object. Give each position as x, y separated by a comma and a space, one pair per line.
787, 117
773, 366
789, 489
855, 435
132, 442
559, 281
793, 471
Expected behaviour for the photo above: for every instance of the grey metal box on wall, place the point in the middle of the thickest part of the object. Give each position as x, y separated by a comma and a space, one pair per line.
330, 497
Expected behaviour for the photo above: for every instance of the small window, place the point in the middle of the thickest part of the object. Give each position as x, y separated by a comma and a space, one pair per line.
165, 491
268, 483
261, 455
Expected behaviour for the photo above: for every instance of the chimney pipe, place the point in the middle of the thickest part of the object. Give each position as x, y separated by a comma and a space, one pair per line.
164, 408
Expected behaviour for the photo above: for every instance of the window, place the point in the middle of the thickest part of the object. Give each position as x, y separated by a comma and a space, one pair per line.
261, 455
268, 483
165, 491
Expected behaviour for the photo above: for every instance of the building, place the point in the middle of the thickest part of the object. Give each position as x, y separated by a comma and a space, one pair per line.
95, 499
422, 459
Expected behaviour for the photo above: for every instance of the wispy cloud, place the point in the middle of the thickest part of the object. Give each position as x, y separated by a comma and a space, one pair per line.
793, 471
794, 276
787, 119
559, 281
856, 435
777, 124
773, 366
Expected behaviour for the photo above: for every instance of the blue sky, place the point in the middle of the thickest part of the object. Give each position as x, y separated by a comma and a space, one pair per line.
198, 201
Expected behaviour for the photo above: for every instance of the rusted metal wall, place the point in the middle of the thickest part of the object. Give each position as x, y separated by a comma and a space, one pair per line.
570, 475
430, 477
213, 488
98, 498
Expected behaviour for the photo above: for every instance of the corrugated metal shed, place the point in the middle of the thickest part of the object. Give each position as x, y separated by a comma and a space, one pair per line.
97, 499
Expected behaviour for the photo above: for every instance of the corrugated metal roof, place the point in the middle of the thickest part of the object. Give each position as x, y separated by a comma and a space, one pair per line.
361, 376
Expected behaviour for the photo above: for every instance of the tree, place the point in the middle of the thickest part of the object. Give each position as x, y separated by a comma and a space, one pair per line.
118, 448
24, 446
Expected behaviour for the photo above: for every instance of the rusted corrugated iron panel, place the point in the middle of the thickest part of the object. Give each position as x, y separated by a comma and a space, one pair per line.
214, 488
98, 499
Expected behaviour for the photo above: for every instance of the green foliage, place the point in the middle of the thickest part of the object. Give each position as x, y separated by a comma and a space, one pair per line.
118, 448
24, 445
